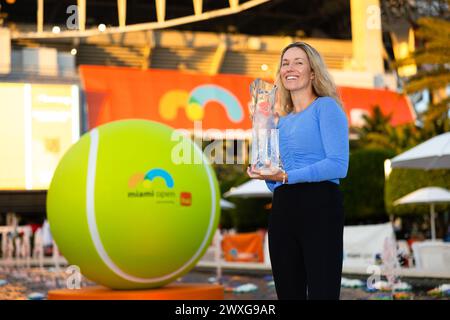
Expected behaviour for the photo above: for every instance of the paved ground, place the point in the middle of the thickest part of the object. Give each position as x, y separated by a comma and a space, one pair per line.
266, 291
35, 283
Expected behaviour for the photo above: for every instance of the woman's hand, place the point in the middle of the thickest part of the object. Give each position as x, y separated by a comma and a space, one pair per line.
253, 173
251, 110
276, 118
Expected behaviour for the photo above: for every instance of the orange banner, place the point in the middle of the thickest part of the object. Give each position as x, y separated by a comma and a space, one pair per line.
179, 98
243, 247
171, 97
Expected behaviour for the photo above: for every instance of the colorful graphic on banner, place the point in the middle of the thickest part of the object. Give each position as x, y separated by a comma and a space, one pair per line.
194, 103
220, 101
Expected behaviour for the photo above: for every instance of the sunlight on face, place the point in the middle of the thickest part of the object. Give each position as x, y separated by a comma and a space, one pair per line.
296, 73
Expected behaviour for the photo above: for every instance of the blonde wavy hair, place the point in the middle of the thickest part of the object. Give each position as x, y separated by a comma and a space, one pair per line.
323, 84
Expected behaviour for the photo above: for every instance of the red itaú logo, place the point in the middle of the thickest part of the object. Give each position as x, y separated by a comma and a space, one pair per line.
264, 108
185, 199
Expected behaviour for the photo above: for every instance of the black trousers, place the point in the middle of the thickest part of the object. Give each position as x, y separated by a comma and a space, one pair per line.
306, 240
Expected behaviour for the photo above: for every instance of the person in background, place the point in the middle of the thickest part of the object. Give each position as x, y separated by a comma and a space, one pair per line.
447, 236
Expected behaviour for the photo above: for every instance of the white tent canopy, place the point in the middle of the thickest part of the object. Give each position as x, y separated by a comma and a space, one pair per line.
431, 154
429, 195
426, 195
254, 188
224, 204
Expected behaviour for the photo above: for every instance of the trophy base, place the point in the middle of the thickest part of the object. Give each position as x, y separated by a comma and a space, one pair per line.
269, 171
266, 170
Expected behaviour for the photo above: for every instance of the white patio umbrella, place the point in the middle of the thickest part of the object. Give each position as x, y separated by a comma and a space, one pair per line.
431, 154
254, 188
224, 204
428, 195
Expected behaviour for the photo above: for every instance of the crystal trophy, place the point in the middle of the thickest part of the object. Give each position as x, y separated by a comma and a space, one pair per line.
265, 156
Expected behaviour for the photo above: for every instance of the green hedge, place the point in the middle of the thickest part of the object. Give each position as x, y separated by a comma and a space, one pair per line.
404, 181
363, 188
367, 197
249, 214
230, 175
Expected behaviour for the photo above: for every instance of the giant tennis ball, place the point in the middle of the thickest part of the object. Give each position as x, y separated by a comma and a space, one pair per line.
123, 210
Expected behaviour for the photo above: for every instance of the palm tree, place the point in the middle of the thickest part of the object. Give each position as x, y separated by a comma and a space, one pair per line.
433, 61
377, 132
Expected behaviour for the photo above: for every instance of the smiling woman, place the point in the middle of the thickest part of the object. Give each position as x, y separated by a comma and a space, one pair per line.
307, 218
302, 70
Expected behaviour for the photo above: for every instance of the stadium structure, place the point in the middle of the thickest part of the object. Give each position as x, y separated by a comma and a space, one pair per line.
69, 66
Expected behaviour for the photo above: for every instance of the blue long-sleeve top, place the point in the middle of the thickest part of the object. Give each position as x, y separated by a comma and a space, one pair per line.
314, 143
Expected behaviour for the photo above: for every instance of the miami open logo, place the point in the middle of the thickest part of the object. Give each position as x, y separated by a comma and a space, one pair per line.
158, 184
194, 103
